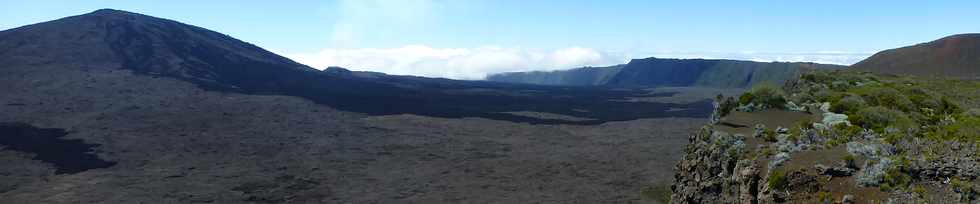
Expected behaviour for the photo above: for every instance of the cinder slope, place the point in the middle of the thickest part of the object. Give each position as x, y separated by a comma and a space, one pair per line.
956, 56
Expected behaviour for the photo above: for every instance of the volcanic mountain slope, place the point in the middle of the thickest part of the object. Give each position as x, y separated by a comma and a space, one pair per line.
956, 56
155, 111
654, 72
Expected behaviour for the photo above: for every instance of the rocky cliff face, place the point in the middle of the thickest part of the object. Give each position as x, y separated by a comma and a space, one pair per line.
803, 143
585, 76
652, 72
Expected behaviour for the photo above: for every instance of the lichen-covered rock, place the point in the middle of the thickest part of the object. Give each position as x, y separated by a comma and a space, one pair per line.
832, 119
751, 107
825, 107
793, 107
873, 172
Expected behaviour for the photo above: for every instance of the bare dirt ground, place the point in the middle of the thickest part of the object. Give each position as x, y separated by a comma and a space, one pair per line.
175, 143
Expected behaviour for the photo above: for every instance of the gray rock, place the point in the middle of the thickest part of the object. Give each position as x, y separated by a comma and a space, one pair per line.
847, 199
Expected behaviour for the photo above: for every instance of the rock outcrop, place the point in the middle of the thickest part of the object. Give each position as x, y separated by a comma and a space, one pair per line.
810, 154
713, 172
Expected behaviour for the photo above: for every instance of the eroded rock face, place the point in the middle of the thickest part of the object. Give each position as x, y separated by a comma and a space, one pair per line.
712, 171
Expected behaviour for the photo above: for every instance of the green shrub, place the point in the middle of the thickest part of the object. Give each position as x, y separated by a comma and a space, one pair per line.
961, 185
921, 191
766, 151
778, 180
818, 77
850, 160
848, 105
769, 135
878, 118
746, 98
826, 95
660, 193
948, 106
924, 98
765, 94
825, 197
897, 179
965, 129
842, 134
885, 96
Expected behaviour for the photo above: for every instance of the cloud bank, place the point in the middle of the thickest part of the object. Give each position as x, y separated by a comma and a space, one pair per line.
824, 57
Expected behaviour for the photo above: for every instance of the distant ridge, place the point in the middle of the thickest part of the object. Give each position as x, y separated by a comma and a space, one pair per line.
652, 72
584, 76
956, 56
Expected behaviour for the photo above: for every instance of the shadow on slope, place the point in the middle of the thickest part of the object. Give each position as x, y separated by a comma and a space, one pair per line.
68, 156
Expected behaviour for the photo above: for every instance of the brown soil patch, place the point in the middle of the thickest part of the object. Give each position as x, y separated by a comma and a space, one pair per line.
770, 118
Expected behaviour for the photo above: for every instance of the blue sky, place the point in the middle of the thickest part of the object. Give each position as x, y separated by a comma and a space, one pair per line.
469, 38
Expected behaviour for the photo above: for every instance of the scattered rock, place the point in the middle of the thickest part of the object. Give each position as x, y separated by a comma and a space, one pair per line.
800, 181
760, 131
836, 171
782, 130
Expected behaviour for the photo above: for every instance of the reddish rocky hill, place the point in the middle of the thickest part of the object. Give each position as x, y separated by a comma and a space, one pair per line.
954, 56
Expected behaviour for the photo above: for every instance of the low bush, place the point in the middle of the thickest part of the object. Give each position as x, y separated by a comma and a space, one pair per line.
660, 193
965, 129
848, 105
827, 95
841, 134
769, 135
764, 94
825, 197
886, 97
896, 178
878, 118
778, 180
850, 161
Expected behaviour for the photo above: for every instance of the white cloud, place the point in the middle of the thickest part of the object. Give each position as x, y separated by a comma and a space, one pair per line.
455, 63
